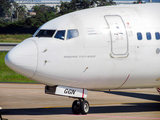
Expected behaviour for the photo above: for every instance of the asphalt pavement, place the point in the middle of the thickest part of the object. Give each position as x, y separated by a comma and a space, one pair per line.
29, 102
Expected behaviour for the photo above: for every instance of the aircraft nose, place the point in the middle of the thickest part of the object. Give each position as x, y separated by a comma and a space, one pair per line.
23, 58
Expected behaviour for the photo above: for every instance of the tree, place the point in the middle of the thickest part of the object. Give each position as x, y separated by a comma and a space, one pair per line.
40, 9
46, 13
102, 3
73, 5
67, 7
4, 7
21, 10
85, 4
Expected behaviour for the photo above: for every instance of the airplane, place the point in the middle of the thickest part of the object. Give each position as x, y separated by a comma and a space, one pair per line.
103, 48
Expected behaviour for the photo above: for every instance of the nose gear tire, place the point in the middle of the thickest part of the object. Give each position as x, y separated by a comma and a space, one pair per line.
80, 106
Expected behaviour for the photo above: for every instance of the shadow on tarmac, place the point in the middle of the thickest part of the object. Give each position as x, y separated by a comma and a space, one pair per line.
136, 95
132, 107
140, 107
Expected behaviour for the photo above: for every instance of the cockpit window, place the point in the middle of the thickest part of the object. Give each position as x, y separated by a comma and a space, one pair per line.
72, 34
60, 34
45, 33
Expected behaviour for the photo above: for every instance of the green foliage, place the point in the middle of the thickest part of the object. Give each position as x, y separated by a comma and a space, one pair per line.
22, 12
38, 20
34, 21
67, 7
46, 13
40, 9
19, 23
29, 22
16, 38
4, 7
3, 24
8, 75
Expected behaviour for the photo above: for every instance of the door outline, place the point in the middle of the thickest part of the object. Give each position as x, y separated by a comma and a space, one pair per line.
112, 54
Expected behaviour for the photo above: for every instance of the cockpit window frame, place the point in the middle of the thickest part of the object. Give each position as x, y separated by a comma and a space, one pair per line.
60, 38
71, 37
54, 31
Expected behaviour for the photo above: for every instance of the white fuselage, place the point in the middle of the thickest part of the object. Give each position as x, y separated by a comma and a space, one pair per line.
106, 54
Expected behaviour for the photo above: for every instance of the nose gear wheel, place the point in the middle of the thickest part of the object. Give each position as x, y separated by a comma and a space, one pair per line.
80, 106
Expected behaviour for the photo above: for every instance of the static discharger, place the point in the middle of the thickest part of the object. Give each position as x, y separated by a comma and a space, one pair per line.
45, 50
85, 69
45, 62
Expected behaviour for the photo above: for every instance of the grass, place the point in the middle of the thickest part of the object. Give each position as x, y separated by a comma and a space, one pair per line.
13, 38
8, 75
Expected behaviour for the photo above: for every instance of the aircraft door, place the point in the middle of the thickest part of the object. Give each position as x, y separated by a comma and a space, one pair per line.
118, 35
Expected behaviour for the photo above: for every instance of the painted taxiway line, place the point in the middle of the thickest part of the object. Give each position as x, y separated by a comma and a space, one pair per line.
147, 118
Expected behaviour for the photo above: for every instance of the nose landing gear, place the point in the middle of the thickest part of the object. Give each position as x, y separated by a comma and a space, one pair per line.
80, 106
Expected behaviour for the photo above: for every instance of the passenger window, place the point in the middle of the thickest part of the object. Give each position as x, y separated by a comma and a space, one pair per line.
139, 36
157, 35
72, 34
60, 34
45, 33
148, 35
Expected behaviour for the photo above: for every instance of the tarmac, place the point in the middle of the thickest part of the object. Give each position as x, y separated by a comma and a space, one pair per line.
29, 102
7, 46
